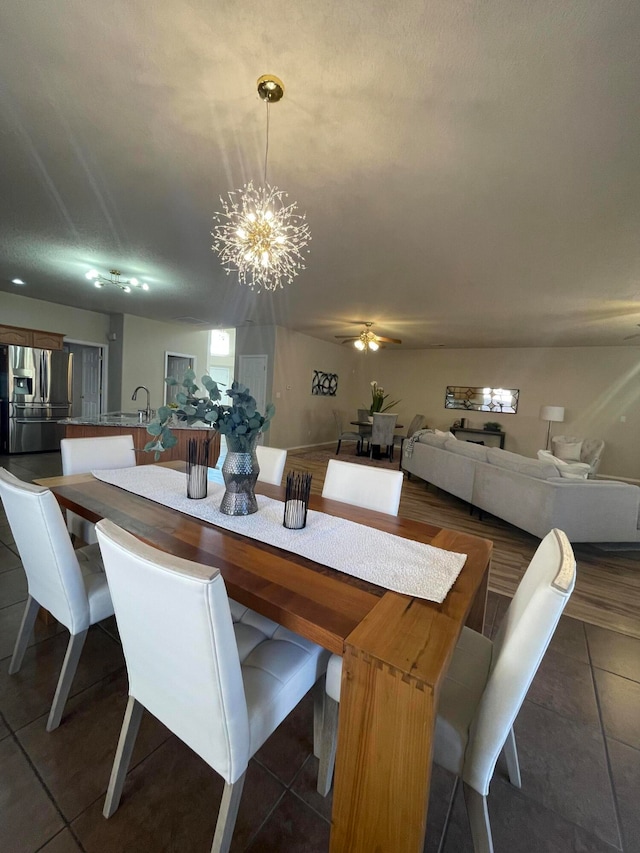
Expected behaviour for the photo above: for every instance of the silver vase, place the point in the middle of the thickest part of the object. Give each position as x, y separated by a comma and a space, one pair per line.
240, 471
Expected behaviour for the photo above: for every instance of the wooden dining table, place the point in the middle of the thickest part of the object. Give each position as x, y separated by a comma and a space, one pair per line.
396, 648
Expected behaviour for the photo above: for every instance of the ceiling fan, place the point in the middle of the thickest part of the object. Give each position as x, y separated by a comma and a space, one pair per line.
367, 340
636, 335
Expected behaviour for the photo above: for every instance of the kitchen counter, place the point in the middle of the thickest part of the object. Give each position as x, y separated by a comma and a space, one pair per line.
128, 419
126, 423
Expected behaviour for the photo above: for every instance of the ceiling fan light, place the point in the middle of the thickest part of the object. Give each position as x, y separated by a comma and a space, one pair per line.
373, 345
359, 344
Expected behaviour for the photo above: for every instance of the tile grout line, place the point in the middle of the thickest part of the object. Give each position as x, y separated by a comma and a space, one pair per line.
297, 796
614, 793
45, 787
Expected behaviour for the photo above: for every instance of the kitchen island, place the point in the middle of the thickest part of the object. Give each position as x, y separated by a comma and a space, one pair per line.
125, 423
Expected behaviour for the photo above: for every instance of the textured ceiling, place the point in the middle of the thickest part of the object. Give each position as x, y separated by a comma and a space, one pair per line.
469, 170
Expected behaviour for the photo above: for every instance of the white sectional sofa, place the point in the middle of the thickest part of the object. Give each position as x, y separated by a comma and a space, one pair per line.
525, 492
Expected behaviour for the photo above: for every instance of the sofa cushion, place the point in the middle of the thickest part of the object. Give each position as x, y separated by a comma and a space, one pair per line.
433, 439
467, 448
521, 464
446, 433
568, 470
568, 451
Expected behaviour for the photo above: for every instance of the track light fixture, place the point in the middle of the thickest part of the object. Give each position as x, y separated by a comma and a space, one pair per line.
114, 279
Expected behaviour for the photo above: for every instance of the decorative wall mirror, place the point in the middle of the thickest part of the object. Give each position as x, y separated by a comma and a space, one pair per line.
503, 401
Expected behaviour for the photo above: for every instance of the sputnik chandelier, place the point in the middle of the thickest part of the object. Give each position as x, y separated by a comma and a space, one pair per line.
114, 279
258, 233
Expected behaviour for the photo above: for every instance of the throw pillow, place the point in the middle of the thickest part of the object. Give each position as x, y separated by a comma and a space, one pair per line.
568, 470
569, 451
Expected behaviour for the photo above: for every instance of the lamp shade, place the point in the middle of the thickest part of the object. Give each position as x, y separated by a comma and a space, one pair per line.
552, 413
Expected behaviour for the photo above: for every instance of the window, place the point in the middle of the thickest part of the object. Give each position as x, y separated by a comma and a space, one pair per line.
219, 342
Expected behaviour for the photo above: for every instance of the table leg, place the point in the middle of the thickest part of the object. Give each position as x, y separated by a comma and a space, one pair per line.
383, 765
475, 619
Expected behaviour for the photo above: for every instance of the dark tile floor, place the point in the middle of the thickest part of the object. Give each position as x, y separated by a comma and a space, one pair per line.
578, 736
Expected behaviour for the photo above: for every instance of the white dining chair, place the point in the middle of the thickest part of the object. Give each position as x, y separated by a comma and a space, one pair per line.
382, 432
221, 687
361, 485
70, 584
487, 683
81, 455
271, 461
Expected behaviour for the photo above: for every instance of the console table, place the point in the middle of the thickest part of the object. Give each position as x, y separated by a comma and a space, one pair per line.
499, 434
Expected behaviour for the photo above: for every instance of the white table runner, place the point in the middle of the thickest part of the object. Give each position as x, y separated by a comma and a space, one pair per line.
390, 561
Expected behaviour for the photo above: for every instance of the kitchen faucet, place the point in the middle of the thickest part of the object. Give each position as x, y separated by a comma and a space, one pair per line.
135, 395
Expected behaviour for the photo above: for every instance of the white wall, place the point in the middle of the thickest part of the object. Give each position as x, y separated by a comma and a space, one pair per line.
597, 386
144, 345
75, 323
302, 419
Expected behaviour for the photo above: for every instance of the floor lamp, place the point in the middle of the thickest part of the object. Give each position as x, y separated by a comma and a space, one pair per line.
552, 414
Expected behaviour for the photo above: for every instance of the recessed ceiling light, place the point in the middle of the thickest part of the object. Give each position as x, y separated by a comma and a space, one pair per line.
17, 281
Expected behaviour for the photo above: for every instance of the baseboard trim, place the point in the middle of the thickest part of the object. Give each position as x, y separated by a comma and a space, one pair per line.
320, 446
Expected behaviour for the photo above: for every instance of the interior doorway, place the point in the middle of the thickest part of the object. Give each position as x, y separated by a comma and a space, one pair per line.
175, 365
88, 378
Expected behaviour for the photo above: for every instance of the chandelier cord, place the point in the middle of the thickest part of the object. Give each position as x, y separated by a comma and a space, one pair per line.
266, 148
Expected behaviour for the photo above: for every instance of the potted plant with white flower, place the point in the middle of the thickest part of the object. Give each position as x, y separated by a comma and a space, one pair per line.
378, 398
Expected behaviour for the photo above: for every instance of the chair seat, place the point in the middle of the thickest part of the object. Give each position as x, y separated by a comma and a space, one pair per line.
95, 583
461, 693
334, 677
459, 698
271, 657
80, 527
275, 674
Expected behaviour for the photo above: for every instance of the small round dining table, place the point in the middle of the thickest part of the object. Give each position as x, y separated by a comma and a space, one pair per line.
375, 448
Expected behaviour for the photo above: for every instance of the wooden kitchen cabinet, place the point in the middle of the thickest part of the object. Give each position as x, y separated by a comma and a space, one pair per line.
47, 340
30, 338
141, 437
16, 336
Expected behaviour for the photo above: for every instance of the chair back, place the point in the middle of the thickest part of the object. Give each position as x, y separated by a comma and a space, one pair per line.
179, 645
418, 422
519, 647
361, 485
364, 428
382, 430
80, 455
590, 452
53, 574
337, 416
271, 461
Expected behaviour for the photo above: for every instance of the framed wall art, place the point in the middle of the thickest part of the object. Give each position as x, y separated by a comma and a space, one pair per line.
324, 384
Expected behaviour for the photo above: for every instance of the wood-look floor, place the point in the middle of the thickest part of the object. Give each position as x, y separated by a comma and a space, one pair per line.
607, 589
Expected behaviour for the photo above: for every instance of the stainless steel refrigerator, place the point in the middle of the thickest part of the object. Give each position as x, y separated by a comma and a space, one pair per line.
35, 393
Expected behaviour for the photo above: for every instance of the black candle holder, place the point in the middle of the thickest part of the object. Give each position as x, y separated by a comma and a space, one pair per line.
296, 502
197, 467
